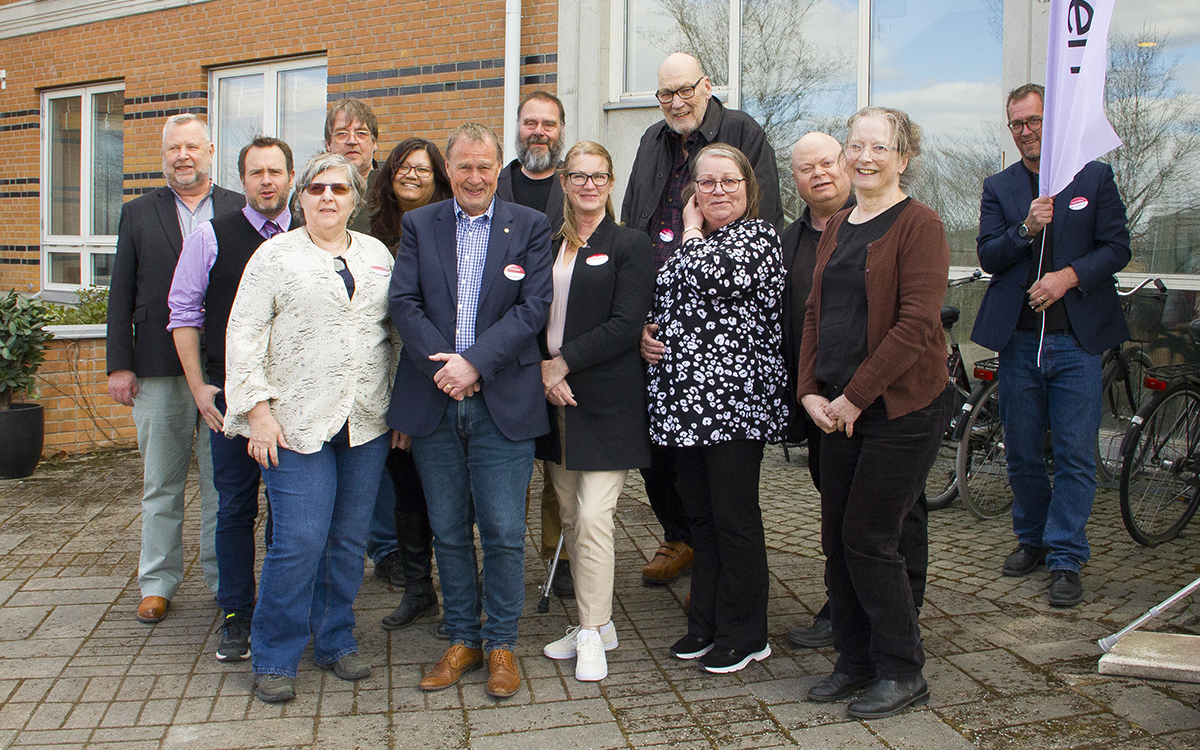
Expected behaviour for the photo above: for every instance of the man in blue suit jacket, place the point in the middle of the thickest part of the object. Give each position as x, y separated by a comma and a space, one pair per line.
470, 291
1050, 311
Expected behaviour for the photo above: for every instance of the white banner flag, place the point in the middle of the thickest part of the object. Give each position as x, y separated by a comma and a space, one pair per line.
1075, 129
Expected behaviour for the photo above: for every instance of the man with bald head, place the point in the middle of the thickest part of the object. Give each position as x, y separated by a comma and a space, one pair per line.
692, 119
823, 182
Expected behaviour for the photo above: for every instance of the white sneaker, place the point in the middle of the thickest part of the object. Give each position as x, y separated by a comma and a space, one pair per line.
564, 648
590, 664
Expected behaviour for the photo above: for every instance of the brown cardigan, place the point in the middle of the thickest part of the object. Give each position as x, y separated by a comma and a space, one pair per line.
906, 283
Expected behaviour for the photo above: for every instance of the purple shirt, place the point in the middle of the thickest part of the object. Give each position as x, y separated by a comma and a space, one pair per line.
190, 284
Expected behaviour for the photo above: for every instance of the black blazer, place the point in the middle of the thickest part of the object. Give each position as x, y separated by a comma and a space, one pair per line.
149, 241
612, 289
554, 205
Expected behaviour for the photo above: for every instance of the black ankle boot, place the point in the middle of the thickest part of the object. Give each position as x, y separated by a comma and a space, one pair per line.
416, 544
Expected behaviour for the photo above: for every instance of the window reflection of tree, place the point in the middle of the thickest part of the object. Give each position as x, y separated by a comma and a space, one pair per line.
1159, 126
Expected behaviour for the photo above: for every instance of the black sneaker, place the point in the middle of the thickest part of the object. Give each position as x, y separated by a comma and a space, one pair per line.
1065, 588
691, 647
235, 638
726, 660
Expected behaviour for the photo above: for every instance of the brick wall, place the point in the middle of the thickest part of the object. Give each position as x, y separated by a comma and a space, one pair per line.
424, 67
73, 388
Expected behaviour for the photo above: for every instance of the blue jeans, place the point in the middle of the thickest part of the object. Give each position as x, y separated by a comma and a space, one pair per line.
321, 505
1061, 394
467, 457
381, 536
236, 476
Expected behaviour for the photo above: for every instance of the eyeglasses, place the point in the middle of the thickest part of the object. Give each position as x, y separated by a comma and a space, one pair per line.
579, 179
728, 184
1034, 123
317, 189
422, 170
343, 136
687, 92
878, 151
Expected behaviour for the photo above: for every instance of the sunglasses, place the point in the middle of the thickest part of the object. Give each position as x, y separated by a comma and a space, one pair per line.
317, 189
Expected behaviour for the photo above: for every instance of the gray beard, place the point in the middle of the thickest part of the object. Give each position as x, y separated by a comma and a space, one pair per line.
538, 162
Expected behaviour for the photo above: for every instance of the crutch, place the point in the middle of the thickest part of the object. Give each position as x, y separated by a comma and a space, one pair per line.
1108, 642
544, 604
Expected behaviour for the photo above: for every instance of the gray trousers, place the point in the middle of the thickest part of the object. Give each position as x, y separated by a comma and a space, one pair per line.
168, 426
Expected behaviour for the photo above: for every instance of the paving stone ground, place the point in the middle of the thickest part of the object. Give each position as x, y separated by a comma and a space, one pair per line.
1005, 670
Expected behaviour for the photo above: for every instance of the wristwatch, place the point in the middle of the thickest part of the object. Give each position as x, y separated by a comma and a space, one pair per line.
1023, 231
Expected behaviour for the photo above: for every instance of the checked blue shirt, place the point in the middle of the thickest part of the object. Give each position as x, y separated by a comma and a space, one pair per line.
471, 233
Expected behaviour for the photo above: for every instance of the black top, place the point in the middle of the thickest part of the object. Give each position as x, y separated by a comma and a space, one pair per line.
530, 192
842, 343
1056, 314
237, 239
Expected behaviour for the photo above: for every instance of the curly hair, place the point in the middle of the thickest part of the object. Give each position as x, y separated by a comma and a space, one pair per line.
382, 204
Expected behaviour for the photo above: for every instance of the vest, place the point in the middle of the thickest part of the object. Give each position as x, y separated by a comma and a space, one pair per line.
237, 239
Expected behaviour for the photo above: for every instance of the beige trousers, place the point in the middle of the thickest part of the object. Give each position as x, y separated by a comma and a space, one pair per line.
587, 501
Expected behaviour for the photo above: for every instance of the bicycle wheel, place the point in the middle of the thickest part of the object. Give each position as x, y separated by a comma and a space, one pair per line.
1160, 488
982, 463
941, 485
1121, 394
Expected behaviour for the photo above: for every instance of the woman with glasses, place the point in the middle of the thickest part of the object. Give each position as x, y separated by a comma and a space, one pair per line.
872, 373
310, 354
595, 386
413, 175
716, 395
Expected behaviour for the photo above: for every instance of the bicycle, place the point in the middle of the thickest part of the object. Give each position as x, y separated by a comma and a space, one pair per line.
941, 486
981, 462
1123, 370
1160, 467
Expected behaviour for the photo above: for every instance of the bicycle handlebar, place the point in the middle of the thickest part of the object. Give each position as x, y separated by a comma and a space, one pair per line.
978, 275
1158, 284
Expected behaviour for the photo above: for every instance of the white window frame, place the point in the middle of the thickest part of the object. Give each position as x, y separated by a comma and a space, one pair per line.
269, 71
86, 244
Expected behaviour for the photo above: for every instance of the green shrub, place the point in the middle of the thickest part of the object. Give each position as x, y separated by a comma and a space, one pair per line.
91, 308
22, 343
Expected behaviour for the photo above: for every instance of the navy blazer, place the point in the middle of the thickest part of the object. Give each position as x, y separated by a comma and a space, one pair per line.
514, 300
149, 241
1090, 235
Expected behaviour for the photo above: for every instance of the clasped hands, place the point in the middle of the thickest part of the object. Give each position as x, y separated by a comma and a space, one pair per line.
458, 378
554, 384
838, 415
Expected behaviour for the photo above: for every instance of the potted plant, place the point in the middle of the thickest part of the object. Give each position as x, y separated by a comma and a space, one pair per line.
22, 346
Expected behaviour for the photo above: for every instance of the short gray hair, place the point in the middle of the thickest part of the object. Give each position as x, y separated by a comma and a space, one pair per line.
185, 119
476, 133
325, 161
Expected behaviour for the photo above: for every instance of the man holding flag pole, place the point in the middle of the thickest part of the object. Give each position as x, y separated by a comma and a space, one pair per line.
1052, 308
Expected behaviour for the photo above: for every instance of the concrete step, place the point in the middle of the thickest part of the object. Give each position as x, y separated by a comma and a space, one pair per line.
1158, 656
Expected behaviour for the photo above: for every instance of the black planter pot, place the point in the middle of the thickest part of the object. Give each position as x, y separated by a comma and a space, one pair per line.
21, 435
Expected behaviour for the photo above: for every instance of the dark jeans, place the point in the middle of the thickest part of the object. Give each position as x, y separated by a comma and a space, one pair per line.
719, 486
870, 483
663, 494
236, 476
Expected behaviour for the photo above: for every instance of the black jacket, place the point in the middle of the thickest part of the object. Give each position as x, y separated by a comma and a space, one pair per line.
148, 245
612, 288
652, 165
554, 207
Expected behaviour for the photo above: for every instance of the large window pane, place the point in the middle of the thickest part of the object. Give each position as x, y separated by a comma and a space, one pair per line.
301, 95
950, 85
656, 28
1153, 102
240, 114
798, 73
108, 160
66, 122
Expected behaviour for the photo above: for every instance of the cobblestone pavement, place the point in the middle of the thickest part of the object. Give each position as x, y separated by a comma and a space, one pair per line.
1005, 671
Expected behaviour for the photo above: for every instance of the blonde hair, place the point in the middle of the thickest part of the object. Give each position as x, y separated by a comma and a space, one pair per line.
570, 227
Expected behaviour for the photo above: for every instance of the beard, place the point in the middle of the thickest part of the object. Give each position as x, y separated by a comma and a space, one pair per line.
199, 176
538, 161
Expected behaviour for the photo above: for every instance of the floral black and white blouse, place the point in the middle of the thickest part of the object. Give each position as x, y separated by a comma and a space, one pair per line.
718, 305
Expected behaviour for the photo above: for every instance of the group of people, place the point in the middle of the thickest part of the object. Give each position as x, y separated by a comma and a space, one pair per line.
391, 353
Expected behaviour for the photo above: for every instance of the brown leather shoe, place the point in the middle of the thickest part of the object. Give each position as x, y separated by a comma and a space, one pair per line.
152, 609
457, 661
672, 560
503, 678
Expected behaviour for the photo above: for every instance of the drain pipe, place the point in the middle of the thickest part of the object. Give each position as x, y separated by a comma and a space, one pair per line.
512, 70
